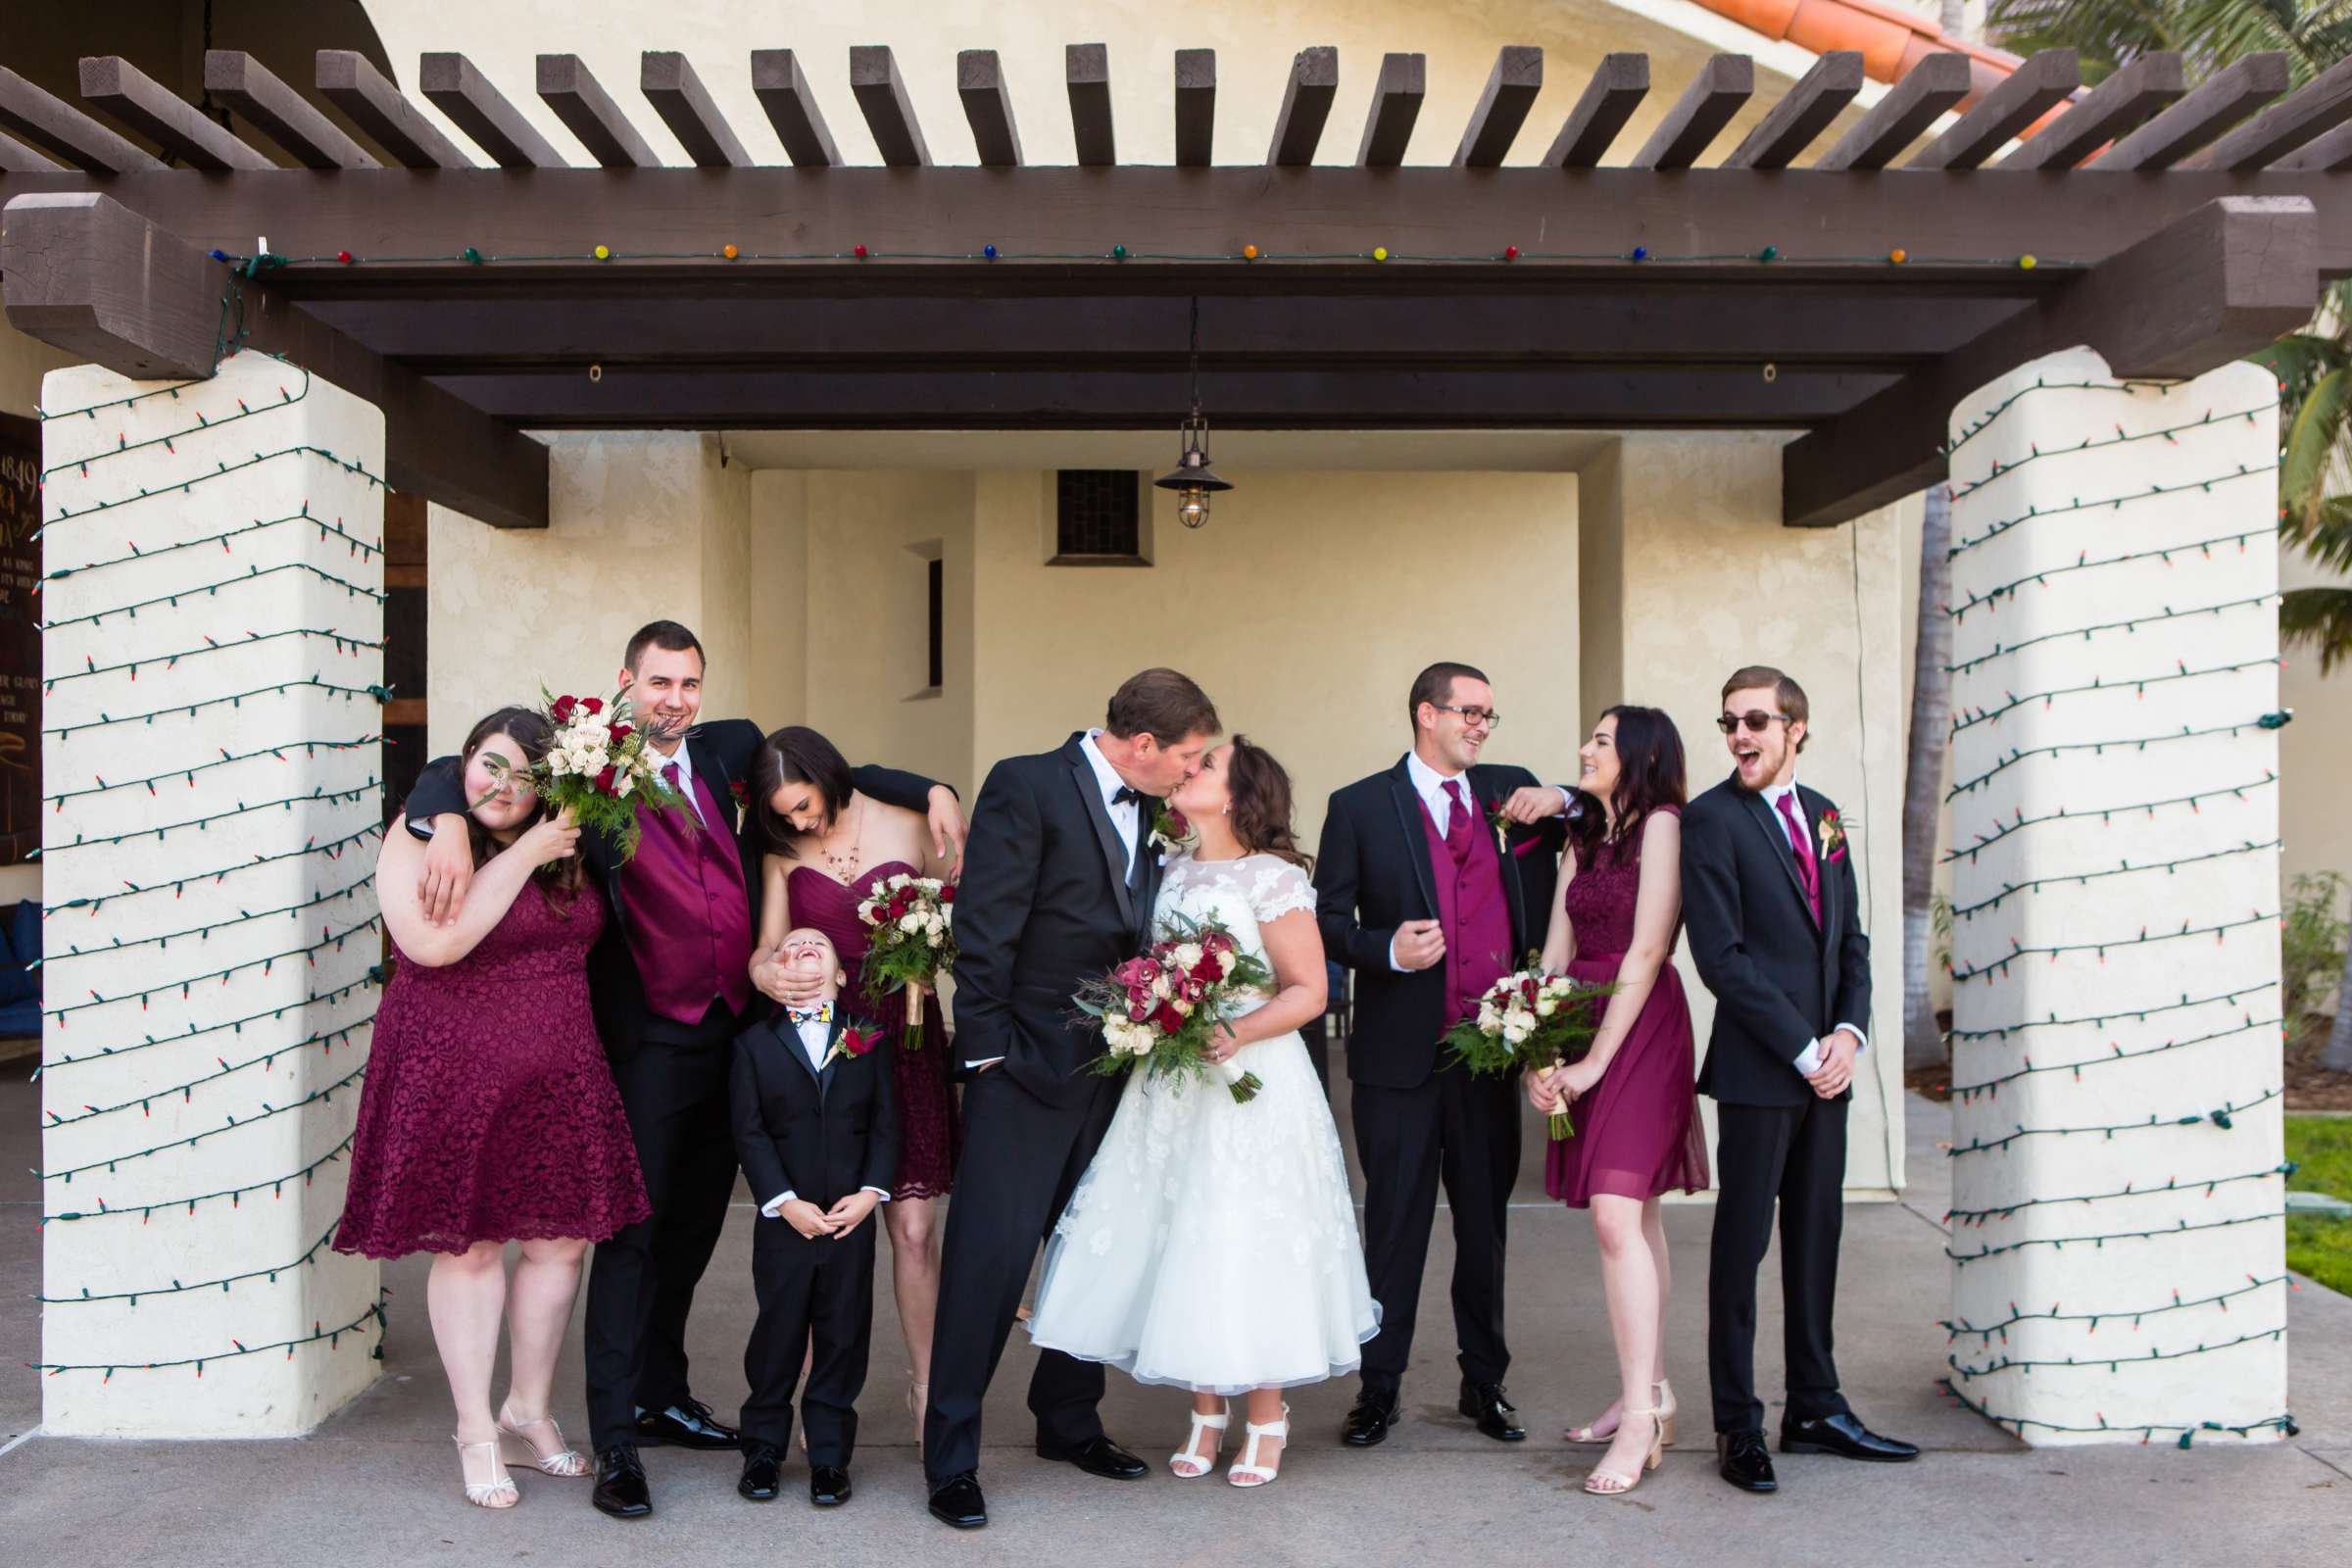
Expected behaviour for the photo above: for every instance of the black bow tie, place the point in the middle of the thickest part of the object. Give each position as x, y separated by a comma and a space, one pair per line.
1122, 795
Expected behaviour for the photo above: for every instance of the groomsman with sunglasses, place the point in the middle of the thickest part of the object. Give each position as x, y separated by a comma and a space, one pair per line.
1771, 902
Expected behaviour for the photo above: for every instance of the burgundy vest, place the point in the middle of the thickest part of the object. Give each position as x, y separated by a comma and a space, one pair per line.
689, 916
1472, 911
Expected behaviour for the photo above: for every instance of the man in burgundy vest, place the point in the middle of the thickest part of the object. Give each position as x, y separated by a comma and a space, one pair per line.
669, 982
1430, 902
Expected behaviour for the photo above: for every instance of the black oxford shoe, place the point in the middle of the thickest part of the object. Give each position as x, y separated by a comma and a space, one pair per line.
1745, 1463
957, 1501
828, 1485
762, 1472
621, 1488
1098, 1456
1484, 1403
688, 1424
1367, 1425
1845, 1437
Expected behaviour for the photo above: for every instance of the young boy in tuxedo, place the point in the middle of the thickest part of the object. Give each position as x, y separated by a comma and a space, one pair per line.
816, 1127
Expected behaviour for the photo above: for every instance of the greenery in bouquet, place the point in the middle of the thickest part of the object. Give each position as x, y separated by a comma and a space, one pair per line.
1159, 1012
913, 919
1532, 1020
600, 767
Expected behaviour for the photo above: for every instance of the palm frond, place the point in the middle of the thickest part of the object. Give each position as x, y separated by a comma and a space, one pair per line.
2326, 534
2313, 447
2319, 618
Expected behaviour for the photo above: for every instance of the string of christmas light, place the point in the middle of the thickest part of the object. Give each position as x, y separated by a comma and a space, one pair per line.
357, 545
344, 643
2111, 1363
223, 470
2147, 1428
212, 591
2094, 1319
2243, 471
277, 1187
2102, 1019
227, 758
333, 850
163, 941
382, 694
2137, 685
2266, 723
374, 977
2168, 434
2089, 633
2018, 822
2220, 1118
318, 797
314, 1096
2000, 967
123, 445
2084, 878
1985, 421
1982, 1217
1990, 600
332, 939
326, 1042
1967, 1093
333, 1338
175, 1288
91, 412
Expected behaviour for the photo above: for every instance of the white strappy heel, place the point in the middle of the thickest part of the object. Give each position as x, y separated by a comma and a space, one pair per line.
563, 1460
1185, 1456
499, 1492
1246, 1471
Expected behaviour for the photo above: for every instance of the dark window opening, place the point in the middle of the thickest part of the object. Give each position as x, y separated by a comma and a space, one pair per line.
939, 617
1098, 515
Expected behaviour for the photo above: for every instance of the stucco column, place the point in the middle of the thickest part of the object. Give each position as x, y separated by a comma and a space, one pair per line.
213, 665
2117, 1167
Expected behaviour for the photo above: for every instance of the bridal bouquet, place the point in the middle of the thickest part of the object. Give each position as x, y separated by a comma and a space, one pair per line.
914, 922
1528, 1020
1161, 1012
600, 767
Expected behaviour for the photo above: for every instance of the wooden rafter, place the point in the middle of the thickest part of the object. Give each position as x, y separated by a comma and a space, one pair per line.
1307, 95
1395, 104
568, 88
2324, 103
350, 81
1619, 84
55, 127
162, 116
1503, 106
988, 106
2114, 108
1196, 107
1085, 67
881, 97
671, 85
451, 83
791, 108
1804, 112
1722, 87
2041, 84
279, 112
2218, 102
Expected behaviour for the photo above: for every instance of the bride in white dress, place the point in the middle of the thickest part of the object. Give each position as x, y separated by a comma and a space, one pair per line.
1213, 1244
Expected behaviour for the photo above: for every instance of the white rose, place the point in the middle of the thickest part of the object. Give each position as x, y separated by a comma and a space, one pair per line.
622, 785
1183, 1009
1161, 986
911, 921
935, 927
1547, 1005
1225, 961
1517, 1030
1188, 953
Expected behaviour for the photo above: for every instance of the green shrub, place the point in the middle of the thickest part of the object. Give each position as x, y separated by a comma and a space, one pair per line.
2311, 945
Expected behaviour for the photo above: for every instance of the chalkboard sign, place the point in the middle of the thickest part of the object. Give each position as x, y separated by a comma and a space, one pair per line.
20, 639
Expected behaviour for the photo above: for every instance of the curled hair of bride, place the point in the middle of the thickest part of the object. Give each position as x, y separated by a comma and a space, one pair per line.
532, 735
1260, 790
796, 754
1650, 773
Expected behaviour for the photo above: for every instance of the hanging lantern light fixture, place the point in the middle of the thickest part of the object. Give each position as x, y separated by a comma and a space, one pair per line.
1193, 480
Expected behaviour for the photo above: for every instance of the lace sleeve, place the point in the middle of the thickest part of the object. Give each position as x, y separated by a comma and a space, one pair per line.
1279, 888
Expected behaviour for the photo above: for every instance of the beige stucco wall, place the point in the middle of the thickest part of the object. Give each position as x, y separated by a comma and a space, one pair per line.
2315, 751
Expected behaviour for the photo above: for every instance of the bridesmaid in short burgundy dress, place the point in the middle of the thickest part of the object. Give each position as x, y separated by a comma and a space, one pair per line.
1633, 1101
827, 845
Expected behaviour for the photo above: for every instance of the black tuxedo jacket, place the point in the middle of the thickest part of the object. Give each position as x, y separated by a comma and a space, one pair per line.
1043, 905
721, 753
1372, 874
1780, 981
820, 1137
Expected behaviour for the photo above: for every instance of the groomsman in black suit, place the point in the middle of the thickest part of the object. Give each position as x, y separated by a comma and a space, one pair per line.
1058, 882
1430, 903
1770, 900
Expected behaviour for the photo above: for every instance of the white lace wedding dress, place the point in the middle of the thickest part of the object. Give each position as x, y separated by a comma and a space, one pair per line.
1213, 1244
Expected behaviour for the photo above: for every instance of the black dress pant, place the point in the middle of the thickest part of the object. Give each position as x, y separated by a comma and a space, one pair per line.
1021, 1160
1463, 1132
641, 1283
1794, 1155
816, 1295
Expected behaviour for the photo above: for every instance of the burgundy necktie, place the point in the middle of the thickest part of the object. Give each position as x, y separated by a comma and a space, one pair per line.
1457, 820
1808, 871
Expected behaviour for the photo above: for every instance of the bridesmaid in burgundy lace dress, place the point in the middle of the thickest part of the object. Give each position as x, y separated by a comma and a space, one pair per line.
1634, 1104
489, 1115
828, 843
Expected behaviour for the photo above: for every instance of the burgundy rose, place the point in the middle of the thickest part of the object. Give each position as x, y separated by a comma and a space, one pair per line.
946, 894
621, 732
594, 704
604, 781
1167, 1018
561, 712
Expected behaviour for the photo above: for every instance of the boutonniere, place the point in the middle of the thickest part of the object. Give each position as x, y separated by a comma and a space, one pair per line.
741, 794
1501, 822
1831, 830
853, 1044
1170, 832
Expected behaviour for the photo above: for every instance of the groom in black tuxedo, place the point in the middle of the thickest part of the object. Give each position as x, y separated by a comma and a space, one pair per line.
1429, 904
1059, 876
1771, 902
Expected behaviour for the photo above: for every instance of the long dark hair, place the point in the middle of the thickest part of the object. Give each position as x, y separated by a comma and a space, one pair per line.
796, 754
533, 735
1650, 775
1260, 791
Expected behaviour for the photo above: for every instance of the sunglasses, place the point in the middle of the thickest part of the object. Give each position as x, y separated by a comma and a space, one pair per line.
1757, 722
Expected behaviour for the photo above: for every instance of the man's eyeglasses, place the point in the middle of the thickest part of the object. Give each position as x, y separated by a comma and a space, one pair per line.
1757, 722
1476, 717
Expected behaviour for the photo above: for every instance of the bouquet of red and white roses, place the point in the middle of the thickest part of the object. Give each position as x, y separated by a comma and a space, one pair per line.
914, 923
1532, 1020
1161, 1012
600, 767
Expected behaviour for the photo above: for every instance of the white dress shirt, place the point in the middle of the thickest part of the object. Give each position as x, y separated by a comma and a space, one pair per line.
1430, 785
816, 1038
684, 764
1808, 1061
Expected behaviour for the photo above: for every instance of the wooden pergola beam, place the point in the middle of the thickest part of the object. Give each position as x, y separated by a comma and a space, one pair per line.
2046, 80
2330, 153
1804, 112
17, 158
2217, 103
670, 83
350, 81
451, 83
1619, 84
1196, 107
2114, 108
284, 116
1395, 104
162, 116
881, 97
1722, 87
1307, 95
2212, 286
1086, 67
987, 105
791, 108
568, 88
1503, 106
2322, 103
56, 126
86, 273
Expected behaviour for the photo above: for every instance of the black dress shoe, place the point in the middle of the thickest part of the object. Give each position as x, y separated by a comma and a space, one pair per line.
828, 1485
762, 1471
957, 1501
1844, 1436
1745, 1462
688, 1424
1368, 1422
1484, 1403
621, 1489
1098, 1457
